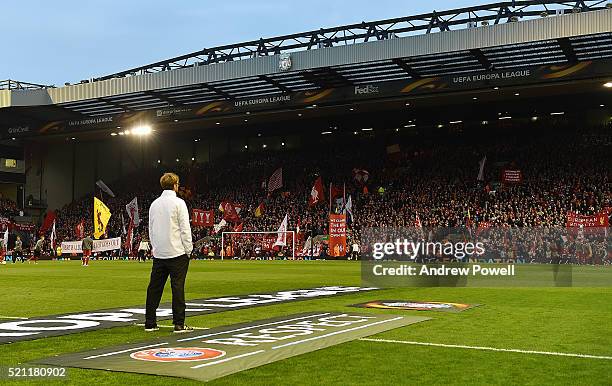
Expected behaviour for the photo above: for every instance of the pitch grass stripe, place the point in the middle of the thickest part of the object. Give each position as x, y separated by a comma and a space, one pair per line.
128, 350
228, 359
249, 327
561, 354
336, 333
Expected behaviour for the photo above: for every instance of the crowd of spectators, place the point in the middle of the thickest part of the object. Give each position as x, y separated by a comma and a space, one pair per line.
433, 179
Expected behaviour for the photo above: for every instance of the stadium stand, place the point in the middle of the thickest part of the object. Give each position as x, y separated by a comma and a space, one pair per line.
435, 178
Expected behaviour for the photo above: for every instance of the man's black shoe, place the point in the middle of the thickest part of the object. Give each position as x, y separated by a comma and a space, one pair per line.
178, 329
151, 328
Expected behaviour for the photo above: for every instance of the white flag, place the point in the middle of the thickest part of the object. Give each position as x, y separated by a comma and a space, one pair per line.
218, 227
5, 239
281, 239
132, 210
52, 236
349, 207
307, 246
105, 188
481, 171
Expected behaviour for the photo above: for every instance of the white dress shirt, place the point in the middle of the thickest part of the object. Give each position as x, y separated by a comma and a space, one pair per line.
169, 229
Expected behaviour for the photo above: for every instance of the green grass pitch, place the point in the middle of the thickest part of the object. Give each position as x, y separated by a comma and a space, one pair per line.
568, 320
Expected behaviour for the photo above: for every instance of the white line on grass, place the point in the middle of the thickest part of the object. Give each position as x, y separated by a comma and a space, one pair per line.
165, 326
561, 354
12, 317
228, 359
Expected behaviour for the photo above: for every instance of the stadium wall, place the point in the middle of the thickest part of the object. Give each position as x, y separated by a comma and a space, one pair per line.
64, 171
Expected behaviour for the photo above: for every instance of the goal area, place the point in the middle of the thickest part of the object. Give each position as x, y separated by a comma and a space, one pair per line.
258, 245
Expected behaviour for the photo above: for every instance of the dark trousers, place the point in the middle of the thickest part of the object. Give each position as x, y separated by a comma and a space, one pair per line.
176, 268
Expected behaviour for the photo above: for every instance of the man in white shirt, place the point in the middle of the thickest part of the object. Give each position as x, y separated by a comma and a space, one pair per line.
170, 237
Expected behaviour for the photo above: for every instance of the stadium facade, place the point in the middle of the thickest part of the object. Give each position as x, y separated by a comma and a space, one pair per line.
220, 100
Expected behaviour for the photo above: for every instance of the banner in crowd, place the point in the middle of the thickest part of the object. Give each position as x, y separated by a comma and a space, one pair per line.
23, 227
575, 220
202, 218
512, 176
337, 235
7, 223
98, 245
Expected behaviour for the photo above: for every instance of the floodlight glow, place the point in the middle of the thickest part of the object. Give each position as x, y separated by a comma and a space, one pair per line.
608, 85
142, 130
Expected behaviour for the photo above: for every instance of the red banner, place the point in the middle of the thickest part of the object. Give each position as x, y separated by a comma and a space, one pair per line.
512, 176
575, 220
202, 218
267, 242
337, 235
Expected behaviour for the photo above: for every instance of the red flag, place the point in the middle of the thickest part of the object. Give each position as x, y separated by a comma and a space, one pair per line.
129, 238
49, 219
230, 212
239, 227
276, 180
316, 193
482, 226
336, 192
417, 222
79, 230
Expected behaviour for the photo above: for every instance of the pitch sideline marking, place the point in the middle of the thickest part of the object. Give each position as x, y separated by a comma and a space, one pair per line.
166, 326
12, 317
489, 348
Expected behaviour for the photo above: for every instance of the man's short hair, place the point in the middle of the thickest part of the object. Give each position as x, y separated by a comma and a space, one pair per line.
168, 180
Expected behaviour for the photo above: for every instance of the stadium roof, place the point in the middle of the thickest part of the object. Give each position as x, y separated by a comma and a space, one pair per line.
486, 38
